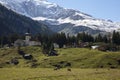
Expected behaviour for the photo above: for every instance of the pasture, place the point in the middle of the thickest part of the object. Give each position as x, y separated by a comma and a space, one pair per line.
62, 74
85, 64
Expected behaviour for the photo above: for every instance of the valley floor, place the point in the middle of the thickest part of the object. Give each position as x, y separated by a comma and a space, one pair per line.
62, 74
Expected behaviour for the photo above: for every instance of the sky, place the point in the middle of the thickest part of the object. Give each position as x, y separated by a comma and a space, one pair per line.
103, 9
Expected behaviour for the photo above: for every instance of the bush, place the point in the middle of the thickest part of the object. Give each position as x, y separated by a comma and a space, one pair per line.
53, 53
21, 52
14, 61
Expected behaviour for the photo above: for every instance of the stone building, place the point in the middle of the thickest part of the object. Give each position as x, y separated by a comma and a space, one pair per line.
26, 42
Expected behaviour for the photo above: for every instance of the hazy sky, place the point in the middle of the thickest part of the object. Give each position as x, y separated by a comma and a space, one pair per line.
104, 9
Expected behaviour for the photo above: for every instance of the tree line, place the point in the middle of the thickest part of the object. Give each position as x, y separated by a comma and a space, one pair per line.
62, 39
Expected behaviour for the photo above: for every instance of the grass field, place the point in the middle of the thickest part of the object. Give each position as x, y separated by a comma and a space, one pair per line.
85, 64
76, 57
62, 74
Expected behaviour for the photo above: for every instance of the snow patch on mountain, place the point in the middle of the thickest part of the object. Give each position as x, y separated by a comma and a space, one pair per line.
97, 24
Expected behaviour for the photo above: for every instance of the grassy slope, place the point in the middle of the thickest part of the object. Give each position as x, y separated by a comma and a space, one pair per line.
85, 58
78, 57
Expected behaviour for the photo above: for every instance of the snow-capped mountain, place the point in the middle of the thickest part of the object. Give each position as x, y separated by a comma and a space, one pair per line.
13, 23
60, 19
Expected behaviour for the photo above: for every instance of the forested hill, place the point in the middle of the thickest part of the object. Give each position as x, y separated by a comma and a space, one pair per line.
11, 22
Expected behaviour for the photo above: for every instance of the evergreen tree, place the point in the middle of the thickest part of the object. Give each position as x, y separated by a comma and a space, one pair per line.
60, 39
84, 37
116, 38
99, 38
105, 39
46, 48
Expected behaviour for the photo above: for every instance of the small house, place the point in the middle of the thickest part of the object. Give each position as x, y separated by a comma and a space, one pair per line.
95, 47
26, 42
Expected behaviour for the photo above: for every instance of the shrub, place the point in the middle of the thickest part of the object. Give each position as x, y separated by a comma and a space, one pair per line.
14, 61
108, 47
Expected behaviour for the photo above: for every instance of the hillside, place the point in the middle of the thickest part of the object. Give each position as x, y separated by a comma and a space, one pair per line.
11, 22
71, 57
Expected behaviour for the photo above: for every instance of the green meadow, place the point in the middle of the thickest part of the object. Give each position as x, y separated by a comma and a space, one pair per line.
62, 74
85, 64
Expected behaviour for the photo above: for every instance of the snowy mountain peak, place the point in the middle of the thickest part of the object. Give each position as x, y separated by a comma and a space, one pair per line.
53, 14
